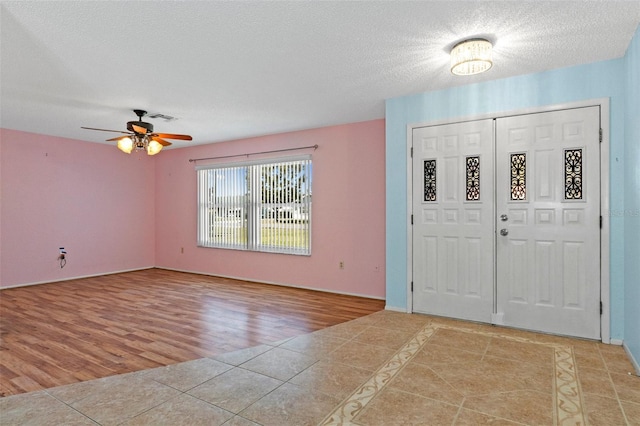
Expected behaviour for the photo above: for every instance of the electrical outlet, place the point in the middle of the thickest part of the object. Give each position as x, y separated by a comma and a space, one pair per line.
341, 264
62, 257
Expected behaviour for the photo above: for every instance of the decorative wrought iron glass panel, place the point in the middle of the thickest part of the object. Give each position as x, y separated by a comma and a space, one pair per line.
473, 178
430, 180
519, 176
573, 174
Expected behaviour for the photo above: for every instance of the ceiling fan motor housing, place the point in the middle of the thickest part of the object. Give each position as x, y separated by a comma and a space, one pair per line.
147, 126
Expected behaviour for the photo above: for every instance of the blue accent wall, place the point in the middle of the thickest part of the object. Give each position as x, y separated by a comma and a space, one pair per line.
597, 80
632, 200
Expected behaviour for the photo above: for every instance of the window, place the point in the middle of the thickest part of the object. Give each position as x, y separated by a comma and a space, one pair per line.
573, 174
259, 206
430, 180
519, 176
473, 178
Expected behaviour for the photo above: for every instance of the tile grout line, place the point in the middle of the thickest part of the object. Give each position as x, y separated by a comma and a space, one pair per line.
71, 407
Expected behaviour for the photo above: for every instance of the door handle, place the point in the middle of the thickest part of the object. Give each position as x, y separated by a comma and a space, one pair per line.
504, 232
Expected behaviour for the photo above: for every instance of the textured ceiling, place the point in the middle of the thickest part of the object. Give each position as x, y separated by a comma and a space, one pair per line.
230, 70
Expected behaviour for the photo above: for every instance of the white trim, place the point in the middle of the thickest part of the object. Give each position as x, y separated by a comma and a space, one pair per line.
616, 342
395, 309
634, 362
603, 103
409, 307
605, 233
77, 277
251, 280
511, 113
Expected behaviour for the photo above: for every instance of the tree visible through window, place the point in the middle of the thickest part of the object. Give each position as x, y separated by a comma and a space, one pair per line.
262, 206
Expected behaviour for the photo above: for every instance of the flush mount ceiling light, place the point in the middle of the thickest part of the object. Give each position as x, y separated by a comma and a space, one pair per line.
471, 57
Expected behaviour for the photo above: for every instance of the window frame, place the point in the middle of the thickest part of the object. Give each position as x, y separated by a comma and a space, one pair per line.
253, 210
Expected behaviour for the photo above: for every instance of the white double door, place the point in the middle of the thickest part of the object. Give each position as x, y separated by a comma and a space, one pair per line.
506, 221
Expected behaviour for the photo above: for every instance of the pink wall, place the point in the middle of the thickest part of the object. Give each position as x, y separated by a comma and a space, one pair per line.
90, 198
348, 212
116, 212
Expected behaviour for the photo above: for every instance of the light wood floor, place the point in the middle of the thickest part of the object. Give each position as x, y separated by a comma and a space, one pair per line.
67, 332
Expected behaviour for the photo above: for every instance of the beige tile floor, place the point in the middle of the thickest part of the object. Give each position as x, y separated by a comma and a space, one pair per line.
384, 369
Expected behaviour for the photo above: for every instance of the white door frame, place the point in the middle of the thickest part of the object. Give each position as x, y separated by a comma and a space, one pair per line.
603, 103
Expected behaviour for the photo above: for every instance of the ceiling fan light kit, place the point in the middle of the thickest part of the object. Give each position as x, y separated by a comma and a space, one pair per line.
140, 136
153, 147
127, 144
471, 57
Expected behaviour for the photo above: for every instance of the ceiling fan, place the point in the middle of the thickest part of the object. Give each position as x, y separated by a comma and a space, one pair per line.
141, 136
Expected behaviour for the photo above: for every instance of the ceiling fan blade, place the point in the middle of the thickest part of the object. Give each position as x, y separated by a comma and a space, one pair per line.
118, 138
161, 141
139, 129
105, 130
172, 136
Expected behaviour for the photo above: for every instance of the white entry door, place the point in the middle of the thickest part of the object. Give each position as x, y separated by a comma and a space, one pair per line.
506, 222
548, 222
453, 215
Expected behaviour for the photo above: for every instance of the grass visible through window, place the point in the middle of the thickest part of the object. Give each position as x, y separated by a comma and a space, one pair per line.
273, 233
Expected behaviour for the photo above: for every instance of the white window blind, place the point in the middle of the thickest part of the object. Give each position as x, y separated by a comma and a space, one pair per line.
259, 206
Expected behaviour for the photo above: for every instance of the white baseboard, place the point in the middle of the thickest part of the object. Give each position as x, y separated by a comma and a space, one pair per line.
199, 273
616, 342
272, 283
77, 277
634, 361
396, 309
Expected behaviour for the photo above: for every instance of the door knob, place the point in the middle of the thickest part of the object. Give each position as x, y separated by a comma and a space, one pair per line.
504, 232
503, 217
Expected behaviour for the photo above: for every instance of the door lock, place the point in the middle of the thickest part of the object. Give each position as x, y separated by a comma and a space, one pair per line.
504, 232
503, 217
